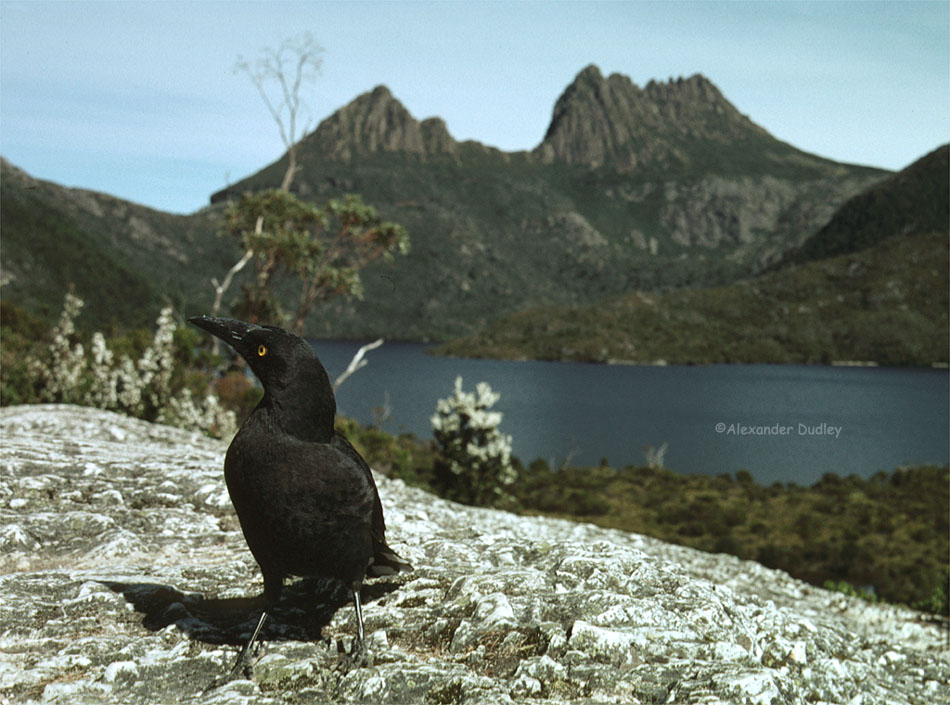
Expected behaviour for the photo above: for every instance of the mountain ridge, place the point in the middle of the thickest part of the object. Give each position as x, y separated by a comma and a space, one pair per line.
708, 200
915, 199
124, 259
871, 285
596, 122
376, 121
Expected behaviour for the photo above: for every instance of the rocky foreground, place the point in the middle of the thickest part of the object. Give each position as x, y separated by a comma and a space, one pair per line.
124, 578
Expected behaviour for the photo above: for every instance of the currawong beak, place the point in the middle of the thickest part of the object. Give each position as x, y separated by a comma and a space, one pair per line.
231, 331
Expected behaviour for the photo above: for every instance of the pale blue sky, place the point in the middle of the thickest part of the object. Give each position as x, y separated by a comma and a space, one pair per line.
138, 99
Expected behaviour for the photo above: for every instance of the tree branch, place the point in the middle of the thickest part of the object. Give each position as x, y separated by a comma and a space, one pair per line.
357, 363
219, 289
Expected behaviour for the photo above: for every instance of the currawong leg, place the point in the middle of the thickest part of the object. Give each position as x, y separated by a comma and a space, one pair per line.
273, 586
242, 657
358, 655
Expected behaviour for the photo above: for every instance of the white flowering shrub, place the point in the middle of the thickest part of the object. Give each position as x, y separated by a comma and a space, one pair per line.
474, 461
142, 388
206, 414
60, 376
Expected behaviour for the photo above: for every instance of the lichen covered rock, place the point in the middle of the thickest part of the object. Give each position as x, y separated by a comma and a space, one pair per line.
124, 578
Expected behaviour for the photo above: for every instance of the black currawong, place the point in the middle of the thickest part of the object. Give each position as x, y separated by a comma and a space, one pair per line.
305, 497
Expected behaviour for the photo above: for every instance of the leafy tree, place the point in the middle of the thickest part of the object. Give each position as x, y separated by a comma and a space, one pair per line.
287, 68
325, 247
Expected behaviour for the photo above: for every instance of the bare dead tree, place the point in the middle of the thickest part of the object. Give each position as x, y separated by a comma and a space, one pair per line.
279, 76
382, 411
568, 458
221, 287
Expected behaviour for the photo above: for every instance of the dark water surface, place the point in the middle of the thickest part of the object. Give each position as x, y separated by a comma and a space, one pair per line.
788, 423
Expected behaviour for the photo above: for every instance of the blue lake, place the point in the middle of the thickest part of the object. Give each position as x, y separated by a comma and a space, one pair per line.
783, 423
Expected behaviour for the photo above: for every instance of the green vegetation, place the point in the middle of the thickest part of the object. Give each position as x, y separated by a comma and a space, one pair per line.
124, 260
888, 535
890, 531
492, 233
871, 285
888, 304
21, 334
59, 254
915, 200
324, 248
501, 231
403, 456
156, 376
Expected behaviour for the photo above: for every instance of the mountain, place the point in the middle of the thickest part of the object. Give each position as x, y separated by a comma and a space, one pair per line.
653, 188
871, 285
631, 189
612, 122
915, 200
377, 122
124, 260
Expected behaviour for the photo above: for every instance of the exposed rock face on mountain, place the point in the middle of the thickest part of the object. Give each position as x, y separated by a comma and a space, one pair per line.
612, 122
377, 122
125, 579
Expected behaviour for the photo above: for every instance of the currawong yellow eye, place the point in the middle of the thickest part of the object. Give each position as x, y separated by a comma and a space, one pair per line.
261, 351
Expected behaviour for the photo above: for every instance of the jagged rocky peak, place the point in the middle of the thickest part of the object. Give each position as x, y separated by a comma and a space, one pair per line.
611, 121
377, 122
436, 138
696, 89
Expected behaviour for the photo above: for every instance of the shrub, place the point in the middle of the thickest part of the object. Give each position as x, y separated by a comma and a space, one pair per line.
144, 389
474, 457
403, 456
939, 600
847, 588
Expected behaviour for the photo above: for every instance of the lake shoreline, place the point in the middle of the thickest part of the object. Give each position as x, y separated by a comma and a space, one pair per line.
889, 416
434, 348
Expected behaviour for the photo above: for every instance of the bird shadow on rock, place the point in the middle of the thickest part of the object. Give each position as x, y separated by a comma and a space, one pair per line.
305, 608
